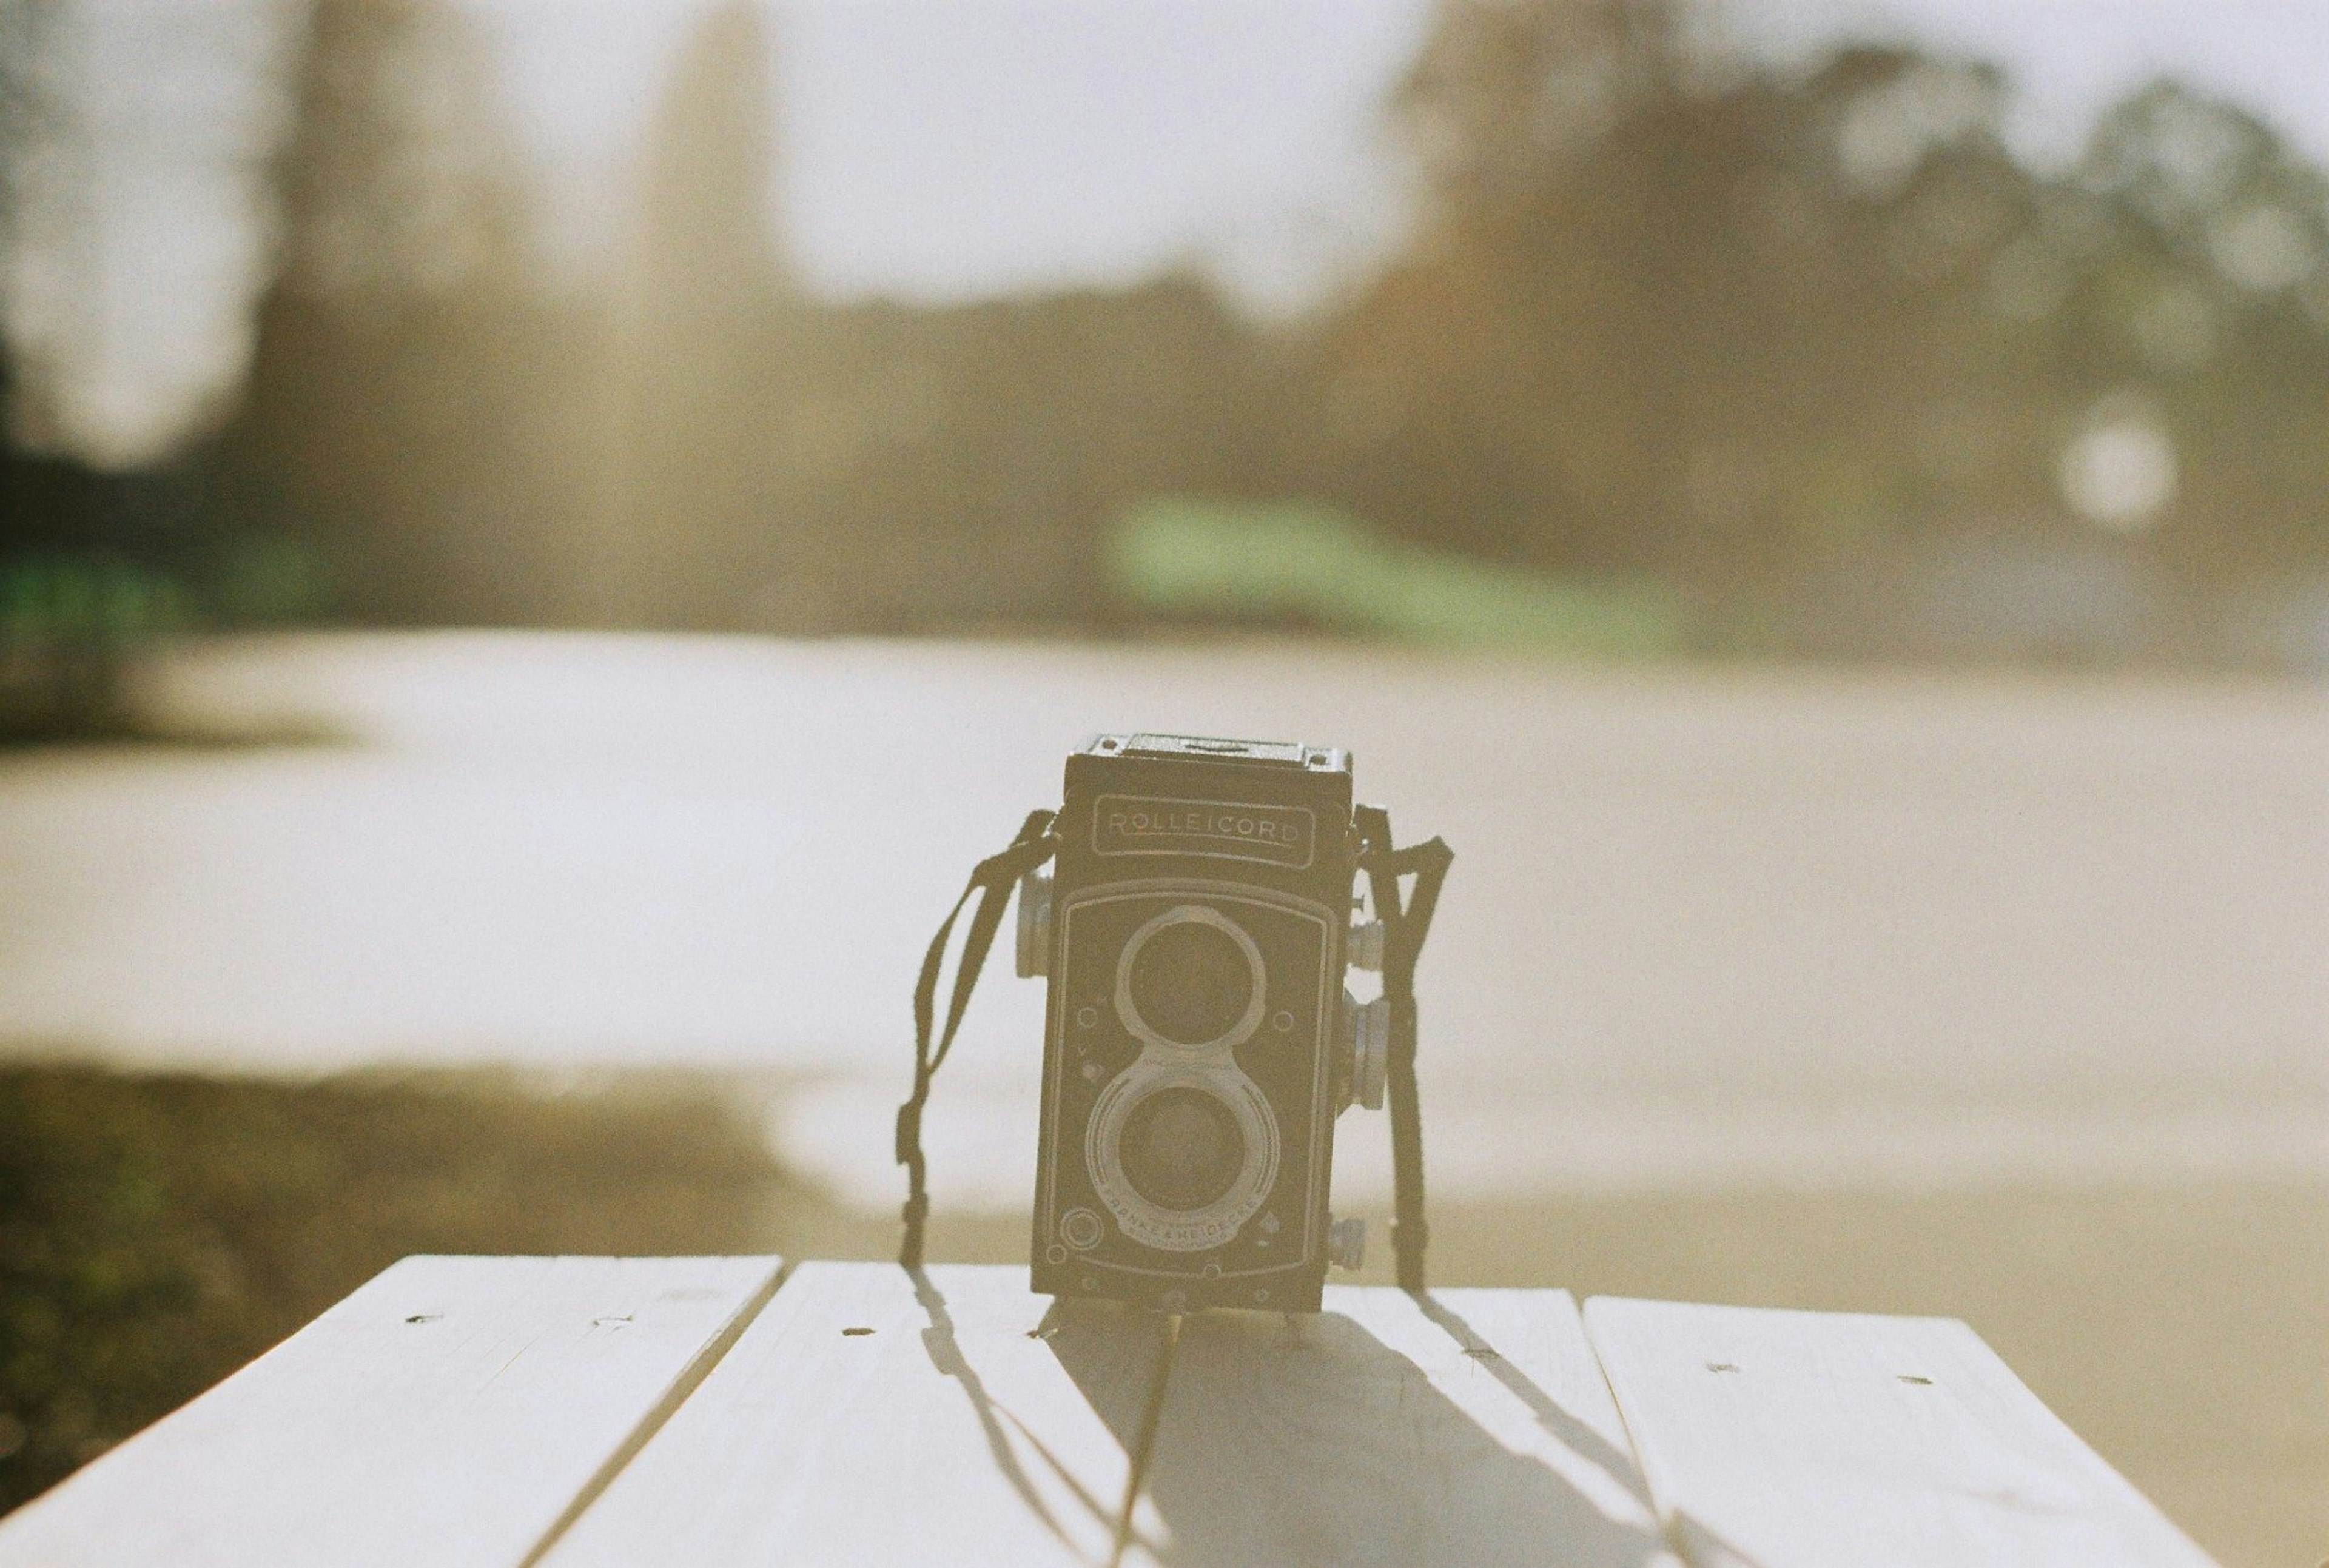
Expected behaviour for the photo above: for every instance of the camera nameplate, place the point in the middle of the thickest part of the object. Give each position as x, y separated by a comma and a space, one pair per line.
1269, 835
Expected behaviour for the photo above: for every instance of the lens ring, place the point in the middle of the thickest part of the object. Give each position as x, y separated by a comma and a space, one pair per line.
1172, 926
1219, 1221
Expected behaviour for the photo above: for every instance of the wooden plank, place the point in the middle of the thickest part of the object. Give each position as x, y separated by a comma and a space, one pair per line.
452, 1412
979, 1425
1826, 1440
1470, 1427
866, 1418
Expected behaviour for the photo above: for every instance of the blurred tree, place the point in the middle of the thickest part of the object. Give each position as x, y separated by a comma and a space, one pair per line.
1674, 313
971, 460
410, 430
89, 560
2192, 258
1809, 345
800, 466
704, 340
1669, 315
693, 443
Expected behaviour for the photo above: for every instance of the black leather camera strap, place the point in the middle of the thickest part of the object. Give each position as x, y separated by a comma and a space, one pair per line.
992, 882
1406, 923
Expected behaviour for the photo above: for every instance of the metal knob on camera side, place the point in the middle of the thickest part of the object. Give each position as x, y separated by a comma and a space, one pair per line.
1366, 1044
1034, 925
1366, 1025
1366, 1051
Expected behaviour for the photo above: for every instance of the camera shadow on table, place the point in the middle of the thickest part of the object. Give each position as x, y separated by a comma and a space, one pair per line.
1297, 1439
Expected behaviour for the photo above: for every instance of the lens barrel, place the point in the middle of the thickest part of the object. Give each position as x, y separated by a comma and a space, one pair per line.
1181, 1148
1192, 979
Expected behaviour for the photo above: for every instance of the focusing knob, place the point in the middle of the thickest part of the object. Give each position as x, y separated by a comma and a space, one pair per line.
1366, 1046
1034, 924
1346, 1243
1366, 949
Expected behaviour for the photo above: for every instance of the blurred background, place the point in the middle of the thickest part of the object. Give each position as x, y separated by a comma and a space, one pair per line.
539, 539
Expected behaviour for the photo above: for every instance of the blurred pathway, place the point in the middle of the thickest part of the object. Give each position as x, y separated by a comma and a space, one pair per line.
1702, 924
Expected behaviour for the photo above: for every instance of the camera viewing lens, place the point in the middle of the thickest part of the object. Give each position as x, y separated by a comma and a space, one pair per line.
1181, 1148
1192, 982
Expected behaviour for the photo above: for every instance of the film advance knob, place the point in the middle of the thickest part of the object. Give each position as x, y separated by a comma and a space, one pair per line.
1366, 1036
1346, 1243
1034, 925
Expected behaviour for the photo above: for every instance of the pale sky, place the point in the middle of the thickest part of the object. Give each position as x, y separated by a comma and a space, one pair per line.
2070, 60
931, 149
936, 150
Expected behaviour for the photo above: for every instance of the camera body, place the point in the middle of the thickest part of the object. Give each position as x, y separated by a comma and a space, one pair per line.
1199, 1040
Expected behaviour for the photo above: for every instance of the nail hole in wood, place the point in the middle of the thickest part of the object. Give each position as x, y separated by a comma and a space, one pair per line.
424, 1316
852, 1333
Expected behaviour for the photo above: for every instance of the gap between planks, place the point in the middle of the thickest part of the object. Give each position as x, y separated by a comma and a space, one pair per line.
452, 1411
580, 1413
868, 1416
871, 1417
690, 1378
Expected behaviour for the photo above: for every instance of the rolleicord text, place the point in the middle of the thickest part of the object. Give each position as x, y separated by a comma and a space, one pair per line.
1146, 825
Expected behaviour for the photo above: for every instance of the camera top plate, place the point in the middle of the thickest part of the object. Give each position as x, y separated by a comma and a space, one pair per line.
1218, 748
1145, 805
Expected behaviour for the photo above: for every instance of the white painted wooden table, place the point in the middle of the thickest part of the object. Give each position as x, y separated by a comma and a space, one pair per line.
585, 1412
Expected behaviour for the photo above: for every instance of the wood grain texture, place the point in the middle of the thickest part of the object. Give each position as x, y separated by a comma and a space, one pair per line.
960, 1424
450, 1413
1467, 1427
977, 1424
1825, 1439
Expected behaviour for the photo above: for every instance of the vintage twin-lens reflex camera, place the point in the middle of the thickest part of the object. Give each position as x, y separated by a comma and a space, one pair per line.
1199, 1039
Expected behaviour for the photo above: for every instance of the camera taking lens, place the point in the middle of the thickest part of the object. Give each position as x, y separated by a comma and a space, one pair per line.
1181, 1148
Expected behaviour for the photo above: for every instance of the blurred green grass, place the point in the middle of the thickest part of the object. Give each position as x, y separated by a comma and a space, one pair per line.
71, 625
1315, 565
158, 1231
